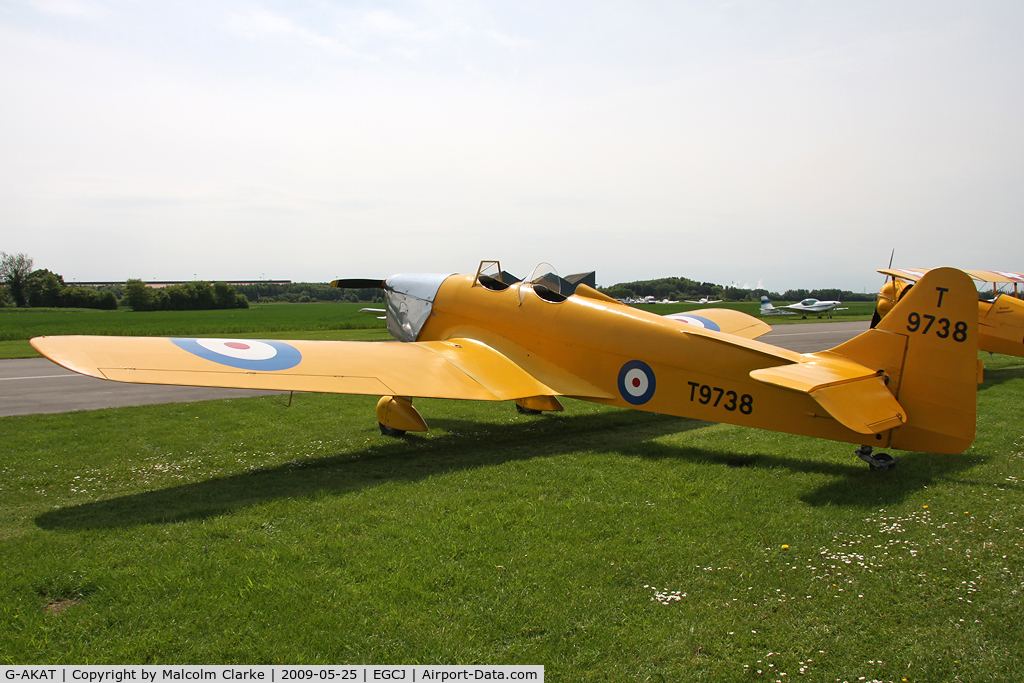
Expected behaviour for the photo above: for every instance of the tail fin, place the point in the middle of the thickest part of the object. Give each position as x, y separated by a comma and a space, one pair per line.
928, 347
766, 304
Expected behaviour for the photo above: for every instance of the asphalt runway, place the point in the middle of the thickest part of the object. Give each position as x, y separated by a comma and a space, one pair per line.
810, 337
36, 385
29, 386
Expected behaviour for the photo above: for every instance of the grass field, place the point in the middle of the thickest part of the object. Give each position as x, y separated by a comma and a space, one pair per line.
25, 323
268, 321
607, 545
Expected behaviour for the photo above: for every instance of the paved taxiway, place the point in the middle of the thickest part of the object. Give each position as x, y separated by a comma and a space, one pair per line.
35, 385
808, 337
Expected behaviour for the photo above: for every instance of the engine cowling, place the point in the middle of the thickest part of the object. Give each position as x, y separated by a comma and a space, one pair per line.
891, 292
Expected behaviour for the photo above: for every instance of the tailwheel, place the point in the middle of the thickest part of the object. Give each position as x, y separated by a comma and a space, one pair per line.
388, 431
877, 461
522, 410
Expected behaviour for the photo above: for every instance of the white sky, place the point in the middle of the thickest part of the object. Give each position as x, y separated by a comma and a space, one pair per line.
786, 144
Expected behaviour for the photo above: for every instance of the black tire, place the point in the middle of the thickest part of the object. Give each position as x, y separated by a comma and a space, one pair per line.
527, 411
885, 462
388, 431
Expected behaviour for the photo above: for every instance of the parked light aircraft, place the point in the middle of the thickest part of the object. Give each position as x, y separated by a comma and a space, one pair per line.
900, 385
806, 306
704, 300
1000, 315
768, 309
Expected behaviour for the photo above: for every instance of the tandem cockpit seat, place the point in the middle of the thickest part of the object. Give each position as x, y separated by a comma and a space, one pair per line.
544, 281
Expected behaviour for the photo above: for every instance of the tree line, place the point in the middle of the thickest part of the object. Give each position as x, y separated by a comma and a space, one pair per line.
187, 296
681, 288
306, 292
24, 287
674, 288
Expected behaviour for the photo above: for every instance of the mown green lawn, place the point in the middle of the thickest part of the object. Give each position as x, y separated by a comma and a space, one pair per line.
605, 544
267, 321
25, 323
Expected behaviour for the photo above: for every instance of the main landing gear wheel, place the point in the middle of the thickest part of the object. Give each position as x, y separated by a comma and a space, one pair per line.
388, 431
527, 411
877, 461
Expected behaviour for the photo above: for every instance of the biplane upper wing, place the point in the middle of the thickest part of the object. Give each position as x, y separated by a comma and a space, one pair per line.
998, 276
912, 274
455, 368
723, 320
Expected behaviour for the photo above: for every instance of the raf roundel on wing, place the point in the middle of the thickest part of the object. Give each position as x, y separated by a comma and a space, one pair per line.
697, 320
636, 382
246, 354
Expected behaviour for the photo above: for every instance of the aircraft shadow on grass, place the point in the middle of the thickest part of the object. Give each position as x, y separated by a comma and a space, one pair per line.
469, 445
851, 485
998, 376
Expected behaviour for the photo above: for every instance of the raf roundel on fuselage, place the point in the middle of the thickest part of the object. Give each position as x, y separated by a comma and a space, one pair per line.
636, 382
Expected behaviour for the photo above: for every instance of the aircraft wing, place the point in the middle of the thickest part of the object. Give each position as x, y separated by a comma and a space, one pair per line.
999, 276
912, 274
723, 320
456, 368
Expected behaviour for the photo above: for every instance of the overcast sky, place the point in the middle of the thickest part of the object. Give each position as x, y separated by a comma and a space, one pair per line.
780, 144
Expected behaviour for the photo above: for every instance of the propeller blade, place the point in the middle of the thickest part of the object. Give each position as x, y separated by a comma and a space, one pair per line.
358, 283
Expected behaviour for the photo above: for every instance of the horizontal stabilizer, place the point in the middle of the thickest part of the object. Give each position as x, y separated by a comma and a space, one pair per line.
865, 406
853, 394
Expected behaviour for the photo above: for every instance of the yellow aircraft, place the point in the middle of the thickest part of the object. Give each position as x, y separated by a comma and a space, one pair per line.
905, 384
1000, 317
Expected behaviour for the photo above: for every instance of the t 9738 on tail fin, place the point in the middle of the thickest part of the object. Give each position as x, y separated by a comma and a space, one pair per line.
910, 383
1000, 313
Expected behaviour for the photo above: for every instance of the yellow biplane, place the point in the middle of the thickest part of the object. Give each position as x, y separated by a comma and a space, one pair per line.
1000, 314
904, 384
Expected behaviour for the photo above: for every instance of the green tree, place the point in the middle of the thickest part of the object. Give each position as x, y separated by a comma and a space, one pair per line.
43, 288
14, 271
138, 295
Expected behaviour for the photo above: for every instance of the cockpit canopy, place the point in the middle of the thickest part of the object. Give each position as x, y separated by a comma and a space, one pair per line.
410, 297
543, 281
